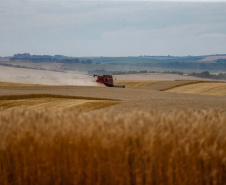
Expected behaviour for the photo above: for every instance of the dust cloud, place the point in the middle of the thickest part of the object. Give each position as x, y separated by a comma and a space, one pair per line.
32, 76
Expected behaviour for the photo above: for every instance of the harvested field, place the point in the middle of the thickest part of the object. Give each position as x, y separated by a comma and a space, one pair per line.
210, 59
40, 65
52, 103
209, 88
15, 84
164, 85
177, 148
156, 76
134, 84
133, 99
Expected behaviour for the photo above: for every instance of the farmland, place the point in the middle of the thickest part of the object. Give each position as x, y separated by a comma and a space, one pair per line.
113, 92
53, 103
154, 131
211, 88
186, 64
134, 83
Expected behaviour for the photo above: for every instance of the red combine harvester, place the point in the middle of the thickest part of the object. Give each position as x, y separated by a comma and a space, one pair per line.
107, 80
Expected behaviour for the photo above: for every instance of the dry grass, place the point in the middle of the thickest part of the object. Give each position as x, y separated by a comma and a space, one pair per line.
135, 84
45, 102
178, 148
210, 88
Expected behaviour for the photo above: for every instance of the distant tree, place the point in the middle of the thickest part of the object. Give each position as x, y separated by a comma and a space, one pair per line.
221, 61
205, 74
143, 71
89, 61
75, 60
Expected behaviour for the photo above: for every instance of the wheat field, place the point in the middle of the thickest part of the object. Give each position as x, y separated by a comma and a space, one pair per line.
140, 148
140, 135
210, 88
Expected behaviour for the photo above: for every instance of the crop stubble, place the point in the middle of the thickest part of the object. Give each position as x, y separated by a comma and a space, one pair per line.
53, 103
132, 99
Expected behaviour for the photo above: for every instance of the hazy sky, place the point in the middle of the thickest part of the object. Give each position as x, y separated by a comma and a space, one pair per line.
112, 28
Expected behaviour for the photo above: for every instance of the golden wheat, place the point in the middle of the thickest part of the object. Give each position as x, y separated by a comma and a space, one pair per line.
211, 88
178, 148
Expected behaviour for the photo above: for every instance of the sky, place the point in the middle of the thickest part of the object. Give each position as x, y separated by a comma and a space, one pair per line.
112, 28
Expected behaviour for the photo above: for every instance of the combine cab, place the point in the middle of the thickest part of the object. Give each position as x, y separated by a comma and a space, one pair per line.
107, 80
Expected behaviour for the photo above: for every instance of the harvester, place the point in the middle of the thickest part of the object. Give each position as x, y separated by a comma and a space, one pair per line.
107, 80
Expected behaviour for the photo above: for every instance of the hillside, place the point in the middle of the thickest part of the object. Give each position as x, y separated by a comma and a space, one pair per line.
210, 88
